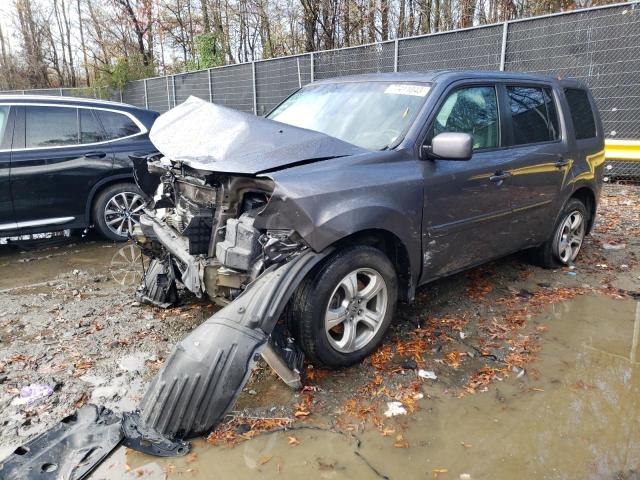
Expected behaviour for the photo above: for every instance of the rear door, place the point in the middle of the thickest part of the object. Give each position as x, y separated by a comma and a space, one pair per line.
7, 221
540, 160
59, 159
466, 204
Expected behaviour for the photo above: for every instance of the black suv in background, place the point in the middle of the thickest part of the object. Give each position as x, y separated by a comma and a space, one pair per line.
64, 164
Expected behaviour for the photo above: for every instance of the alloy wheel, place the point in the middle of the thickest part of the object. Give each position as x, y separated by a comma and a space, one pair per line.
569, 237
356, 310
122, 212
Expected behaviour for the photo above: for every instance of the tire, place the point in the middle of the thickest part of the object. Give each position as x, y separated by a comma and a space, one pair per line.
332, 285
549, 254
129, 198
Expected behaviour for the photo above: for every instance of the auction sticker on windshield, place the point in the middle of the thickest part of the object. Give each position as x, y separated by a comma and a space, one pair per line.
404, 89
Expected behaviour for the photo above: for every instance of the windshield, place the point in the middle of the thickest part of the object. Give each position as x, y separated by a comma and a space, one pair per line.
371, 115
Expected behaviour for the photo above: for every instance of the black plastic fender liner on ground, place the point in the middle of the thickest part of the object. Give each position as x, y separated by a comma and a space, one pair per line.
206, 371
70, 450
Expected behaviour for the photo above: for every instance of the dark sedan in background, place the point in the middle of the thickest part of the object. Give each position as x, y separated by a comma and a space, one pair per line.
64, 164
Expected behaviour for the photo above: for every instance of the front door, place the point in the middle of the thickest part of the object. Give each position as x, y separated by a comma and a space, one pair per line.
60, 160
466, 203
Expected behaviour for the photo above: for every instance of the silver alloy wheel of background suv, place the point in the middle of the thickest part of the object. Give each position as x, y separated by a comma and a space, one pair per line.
122, 212
356, 310
569, 237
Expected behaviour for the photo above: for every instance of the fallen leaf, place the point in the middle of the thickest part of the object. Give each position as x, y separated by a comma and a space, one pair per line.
293, 441
435, 473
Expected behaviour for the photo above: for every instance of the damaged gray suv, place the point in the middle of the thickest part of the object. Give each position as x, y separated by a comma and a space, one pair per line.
345, 198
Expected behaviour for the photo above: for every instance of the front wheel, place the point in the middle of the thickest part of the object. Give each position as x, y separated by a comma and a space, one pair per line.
117, 209
564, 245
341, 312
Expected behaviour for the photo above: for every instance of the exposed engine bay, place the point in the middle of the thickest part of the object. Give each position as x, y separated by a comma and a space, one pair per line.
200, 231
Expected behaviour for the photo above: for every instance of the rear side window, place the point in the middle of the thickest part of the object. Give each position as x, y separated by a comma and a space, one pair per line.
533, 115
581, 113
51, 126
117, 125
90, 130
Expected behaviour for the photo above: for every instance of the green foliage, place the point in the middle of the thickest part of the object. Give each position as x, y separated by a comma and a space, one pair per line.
125, 70
209, 53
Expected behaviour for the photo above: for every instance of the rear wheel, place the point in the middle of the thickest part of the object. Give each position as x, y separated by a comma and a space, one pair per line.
341, 312
568, 235
117, 209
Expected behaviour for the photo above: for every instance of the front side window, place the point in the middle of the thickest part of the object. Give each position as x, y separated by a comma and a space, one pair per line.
533, 115
117, 125
472, 110
51, 126
581, 113
372, 115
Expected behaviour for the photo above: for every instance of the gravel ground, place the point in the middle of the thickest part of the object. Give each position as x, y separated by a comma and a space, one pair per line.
69, 321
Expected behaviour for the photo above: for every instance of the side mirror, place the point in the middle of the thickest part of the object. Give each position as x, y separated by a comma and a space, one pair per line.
450, 146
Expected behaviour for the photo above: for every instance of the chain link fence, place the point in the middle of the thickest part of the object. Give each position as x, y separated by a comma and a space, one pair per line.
598, 46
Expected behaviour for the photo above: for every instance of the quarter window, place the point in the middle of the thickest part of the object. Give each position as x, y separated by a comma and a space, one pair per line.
4, 119
581, 113
90, 130
51, 126
533, 114
472, 110
117, 125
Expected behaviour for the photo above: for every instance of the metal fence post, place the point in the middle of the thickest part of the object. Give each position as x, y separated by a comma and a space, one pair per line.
173, 83
120, 95
61, 94
313, 70
255, 93
168, 94
299, 75
503, 51
395, 55
210, 86
146, 97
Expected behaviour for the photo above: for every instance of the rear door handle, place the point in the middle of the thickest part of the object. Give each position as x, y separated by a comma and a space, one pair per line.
95, 154
498, 177
561, 162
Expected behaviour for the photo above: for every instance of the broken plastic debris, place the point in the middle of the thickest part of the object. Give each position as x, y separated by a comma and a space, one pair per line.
573, 274
33, 392
428, 374
462, 335
614, 246
395, 408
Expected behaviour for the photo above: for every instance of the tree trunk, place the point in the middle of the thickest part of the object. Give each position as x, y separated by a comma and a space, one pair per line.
310, 19
425, 16
384, 18
83, 45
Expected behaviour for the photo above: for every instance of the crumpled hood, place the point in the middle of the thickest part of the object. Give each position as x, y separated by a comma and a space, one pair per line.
206, 136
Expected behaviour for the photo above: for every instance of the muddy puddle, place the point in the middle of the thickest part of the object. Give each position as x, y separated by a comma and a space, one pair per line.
573, 415
32, 264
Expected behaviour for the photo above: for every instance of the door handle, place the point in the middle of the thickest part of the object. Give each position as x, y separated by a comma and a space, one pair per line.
95, 154
499, 177
561, 162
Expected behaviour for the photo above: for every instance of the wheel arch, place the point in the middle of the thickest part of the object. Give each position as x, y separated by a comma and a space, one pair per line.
99, 187
395, 250
588, 197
